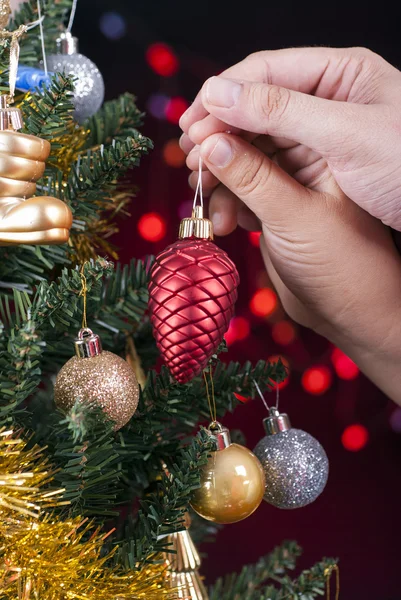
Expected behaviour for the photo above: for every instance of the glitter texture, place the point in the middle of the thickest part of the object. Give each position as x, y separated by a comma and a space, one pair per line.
296, 468
89, 84
105, 380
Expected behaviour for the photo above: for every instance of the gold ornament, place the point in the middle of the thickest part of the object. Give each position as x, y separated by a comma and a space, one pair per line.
98, 378
44, 557
38, 220
232, 481
183, 567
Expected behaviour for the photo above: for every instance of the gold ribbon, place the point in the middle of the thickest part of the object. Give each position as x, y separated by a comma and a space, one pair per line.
14, 36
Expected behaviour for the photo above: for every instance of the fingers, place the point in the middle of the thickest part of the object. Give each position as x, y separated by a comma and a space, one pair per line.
329, 127
226, 211
336, 73
270, 193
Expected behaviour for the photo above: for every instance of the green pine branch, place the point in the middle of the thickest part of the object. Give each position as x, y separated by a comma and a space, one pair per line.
252, 583
162, 512
94, 176
116, 120
22, 343
50, 114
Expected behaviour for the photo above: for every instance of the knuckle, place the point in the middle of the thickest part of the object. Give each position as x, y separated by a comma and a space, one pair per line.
271, 101
254, 177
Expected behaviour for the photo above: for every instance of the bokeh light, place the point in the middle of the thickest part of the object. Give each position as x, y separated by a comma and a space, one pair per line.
283, 333
162, 59
112, 25
175, 108
173, 155
242, 399
343, 365
355, 437
239, 329
395, 420
264, 302
254, 238
157, 105
317, 380
152, 227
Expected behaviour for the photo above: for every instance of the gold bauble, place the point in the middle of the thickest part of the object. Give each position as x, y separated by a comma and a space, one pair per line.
232, 484
38, 220
103, 379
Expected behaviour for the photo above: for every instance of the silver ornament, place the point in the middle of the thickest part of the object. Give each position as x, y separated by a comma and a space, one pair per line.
89, 84
295, 464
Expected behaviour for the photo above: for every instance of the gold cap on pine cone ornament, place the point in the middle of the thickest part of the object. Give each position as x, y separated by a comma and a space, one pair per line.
232, 482
183, 567
25, 220
97, 378
196, 226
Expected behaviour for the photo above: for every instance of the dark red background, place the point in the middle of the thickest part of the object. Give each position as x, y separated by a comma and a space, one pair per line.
358, 516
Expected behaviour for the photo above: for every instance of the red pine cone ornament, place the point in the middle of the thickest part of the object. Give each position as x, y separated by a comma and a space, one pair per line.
192, 289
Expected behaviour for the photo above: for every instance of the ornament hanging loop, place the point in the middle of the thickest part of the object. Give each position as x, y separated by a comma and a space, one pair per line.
87, 344
197, 226
328, 573
83, 293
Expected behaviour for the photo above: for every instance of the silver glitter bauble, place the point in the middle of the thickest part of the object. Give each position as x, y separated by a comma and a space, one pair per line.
97, 378
89, 84
295, 464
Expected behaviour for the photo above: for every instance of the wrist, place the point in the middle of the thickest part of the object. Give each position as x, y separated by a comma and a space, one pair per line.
372, 341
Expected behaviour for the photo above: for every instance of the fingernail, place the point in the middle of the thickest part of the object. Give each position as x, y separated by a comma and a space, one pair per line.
217, 219
220, 154
183, 118
222, 92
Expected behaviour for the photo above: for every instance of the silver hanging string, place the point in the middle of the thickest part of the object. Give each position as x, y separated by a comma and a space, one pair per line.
199, 186
42, 38
72, 16
264, 399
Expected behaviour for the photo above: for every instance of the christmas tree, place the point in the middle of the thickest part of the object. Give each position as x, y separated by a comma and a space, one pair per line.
93, 498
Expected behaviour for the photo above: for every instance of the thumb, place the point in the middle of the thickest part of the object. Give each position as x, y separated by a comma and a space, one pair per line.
272, 195
329, 127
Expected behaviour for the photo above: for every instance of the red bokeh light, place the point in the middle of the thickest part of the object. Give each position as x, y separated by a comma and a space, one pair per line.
317, 380
175, 108
343, 365
152, 227
239, 329
173, 155
162, 59
242, 399
355, 437
283, 333
254, 238
263, 302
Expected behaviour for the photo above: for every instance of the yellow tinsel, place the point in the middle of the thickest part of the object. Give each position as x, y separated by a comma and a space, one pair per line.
43, 557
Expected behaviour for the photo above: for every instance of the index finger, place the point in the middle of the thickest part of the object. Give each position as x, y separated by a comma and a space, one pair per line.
308, 70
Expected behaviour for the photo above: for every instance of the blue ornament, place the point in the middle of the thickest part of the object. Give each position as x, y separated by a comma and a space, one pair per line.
30, 78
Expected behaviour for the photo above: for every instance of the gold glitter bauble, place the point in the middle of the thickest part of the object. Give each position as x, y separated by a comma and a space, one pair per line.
105, 380
232, 485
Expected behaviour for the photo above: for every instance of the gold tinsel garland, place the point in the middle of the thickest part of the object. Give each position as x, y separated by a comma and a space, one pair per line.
42, 556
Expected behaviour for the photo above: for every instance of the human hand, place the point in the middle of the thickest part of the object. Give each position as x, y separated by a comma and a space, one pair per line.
326, 112
334, 267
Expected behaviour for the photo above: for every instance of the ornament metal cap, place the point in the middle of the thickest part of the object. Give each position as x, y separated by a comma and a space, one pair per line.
196, 226
276, 422
220, 433
67, 44
10, 118
87, 344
